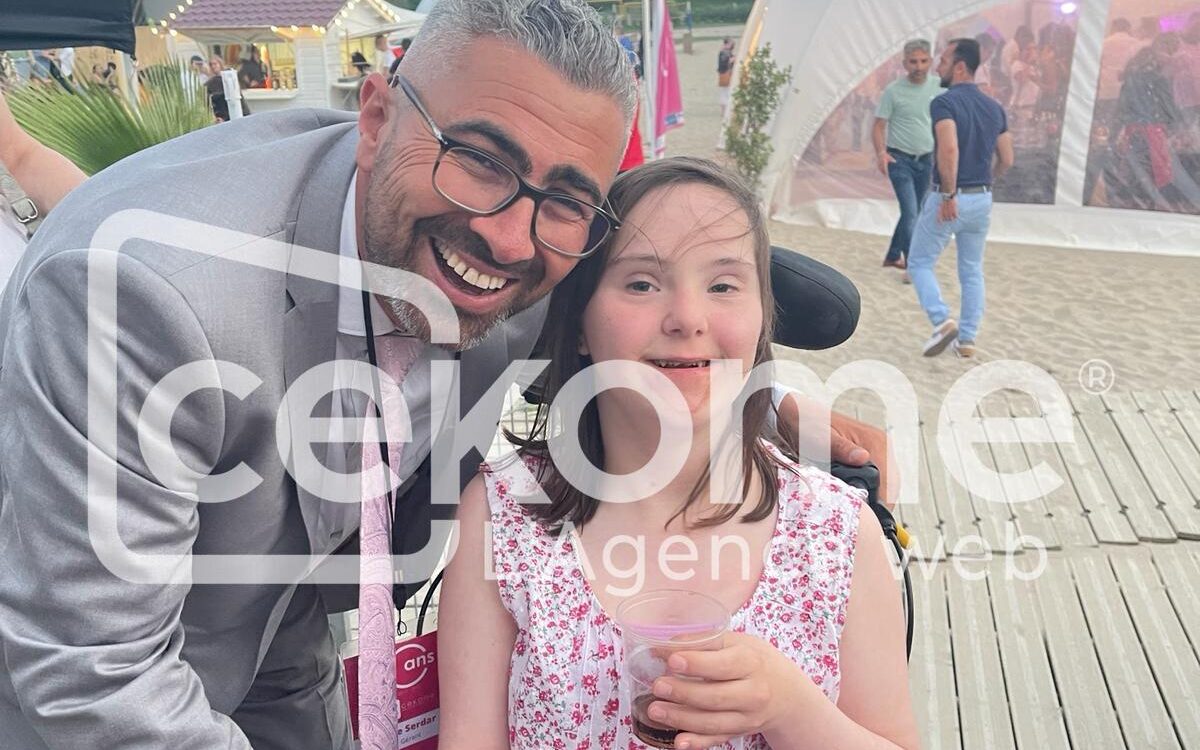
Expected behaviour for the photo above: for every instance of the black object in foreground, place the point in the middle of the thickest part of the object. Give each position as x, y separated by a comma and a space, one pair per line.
817, 307
49, 24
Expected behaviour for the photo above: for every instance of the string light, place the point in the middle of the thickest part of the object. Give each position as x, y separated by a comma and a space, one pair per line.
174, 32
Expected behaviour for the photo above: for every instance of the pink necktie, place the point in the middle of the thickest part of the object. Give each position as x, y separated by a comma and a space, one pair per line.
377, 709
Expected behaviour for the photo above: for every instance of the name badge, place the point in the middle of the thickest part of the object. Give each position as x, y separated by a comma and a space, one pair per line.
416, 692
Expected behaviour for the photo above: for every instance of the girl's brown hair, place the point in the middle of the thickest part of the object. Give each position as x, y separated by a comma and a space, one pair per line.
560, 344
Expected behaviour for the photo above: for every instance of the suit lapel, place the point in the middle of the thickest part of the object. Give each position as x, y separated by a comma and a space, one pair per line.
310, 326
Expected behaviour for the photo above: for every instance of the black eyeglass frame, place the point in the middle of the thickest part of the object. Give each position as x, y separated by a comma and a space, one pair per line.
524, 189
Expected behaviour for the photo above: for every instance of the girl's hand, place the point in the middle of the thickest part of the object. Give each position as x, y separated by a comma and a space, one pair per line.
747, 687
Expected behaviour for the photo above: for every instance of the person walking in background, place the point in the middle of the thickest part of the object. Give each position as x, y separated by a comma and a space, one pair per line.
903, 139
725, 60
1146, 116
1119, 48
968, 128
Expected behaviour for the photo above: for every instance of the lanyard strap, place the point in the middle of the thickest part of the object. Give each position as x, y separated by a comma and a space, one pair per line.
376, 401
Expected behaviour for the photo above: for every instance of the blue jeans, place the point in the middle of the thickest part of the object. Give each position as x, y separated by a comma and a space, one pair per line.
910, 181
930, 238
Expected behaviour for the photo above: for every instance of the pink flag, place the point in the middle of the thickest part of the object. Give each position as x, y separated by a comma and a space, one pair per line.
668, 108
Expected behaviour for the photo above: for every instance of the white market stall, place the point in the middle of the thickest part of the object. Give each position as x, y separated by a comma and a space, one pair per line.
307, 46
1076, 182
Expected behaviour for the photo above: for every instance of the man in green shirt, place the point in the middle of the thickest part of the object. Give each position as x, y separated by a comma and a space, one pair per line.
903, 137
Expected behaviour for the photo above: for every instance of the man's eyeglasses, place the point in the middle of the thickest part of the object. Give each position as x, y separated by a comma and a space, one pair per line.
479, 182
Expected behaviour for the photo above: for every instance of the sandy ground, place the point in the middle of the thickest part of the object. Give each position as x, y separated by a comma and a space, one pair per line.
1054, 307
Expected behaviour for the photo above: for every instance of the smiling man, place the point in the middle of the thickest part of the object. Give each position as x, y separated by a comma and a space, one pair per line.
481, 169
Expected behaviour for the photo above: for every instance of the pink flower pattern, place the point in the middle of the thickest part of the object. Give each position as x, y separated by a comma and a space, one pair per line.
564, 674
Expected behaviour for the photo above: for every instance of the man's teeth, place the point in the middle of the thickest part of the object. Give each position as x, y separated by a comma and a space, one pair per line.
676, 363
470, 275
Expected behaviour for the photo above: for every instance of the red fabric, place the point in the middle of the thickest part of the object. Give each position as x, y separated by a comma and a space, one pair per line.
633, 150
1155, 135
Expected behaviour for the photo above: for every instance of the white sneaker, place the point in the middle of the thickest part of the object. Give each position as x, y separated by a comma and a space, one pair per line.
941, 338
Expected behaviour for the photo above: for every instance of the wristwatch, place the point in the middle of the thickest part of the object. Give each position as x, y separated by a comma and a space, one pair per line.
949, 196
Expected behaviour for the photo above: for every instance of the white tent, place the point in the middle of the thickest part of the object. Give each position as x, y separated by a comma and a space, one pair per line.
1075, 184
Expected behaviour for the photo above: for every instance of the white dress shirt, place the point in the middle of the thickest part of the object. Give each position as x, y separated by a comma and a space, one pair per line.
352, 345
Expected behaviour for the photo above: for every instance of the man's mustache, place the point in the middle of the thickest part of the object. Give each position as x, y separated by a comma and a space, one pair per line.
453, 232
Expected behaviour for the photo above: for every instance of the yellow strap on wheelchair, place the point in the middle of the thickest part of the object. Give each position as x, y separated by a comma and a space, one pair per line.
902, 535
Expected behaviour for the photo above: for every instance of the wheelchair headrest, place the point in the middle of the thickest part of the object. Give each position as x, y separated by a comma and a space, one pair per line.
817, 306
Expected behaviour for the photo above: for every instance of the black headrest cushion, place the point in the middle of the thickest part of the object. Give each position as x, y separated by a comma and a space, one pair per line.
817, 307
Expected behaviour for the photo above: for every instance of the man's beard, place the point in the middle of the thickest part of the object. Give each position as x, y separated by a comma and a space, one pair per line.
451, 231
946, 81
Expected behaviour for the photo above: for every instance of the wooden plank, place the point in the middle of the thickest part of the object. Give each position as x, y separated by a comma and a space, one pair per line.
921, 519
1037, 717
1108, 519
1179, 569
1175, 441
993, 518
1151, 401
1182, 400
1127, 482
953, 503
1174, 663
1087, 706
1086, 403
1031, 516
1121, 402
982, 704
1071, 521
1144, 719
1190, 422
1159, 473
931, 668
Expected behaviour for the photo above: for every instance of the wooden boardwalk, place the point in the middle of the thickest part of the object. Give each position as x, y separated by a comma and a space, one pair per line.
1094, 643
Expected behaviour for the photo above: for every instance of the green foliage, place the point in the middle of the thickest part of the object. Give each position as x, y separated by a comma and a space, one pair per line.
754, 103
710, 12
96, 127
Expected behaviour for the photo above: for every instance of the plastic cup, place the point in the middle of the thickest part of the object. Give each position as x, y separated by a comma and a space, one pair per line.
654, 625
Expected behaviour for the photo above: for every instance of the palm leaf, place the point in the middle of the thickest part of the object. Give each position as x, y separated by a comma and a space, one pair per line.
96, 127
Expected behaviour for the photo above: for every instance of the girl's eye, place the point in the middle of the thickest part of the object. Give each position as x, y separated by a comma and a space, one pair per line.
723, 288
640, 286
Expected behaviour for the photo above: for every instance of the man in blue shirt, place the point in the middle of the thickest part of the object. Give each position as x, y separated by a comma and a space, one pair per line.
968, 128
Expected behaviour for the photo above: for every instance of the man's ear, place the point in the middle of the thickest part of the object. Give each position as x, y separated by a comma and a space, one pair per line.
374, 102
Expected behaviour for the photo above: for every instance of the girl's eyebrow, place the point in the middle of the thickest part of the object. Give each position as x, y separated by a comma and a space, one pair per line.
727, 260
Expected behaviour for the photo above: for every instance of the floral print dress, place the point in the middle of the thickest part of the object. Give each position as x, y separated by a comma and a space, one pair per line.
564, 687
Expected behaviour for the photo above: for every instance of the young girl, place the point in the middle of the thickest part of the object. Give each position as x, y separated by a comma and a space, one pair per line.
530, 655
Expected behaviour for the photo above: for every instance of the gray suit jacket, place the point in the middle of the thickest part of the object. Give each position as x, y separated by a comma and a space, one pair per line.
88, 659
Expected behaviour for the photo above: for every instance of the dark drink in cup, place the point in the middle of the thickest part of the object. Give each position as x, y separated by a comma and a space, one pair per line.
654, 625
648, 730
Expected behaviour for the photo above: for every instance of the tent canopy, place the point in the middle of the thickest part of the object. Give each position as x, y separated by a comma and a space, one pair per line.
1079, 179
47, 24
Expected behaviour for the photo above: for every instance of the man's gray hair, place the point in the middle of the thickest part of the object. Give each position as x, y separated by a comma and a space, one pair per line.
568, 35
917, 44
